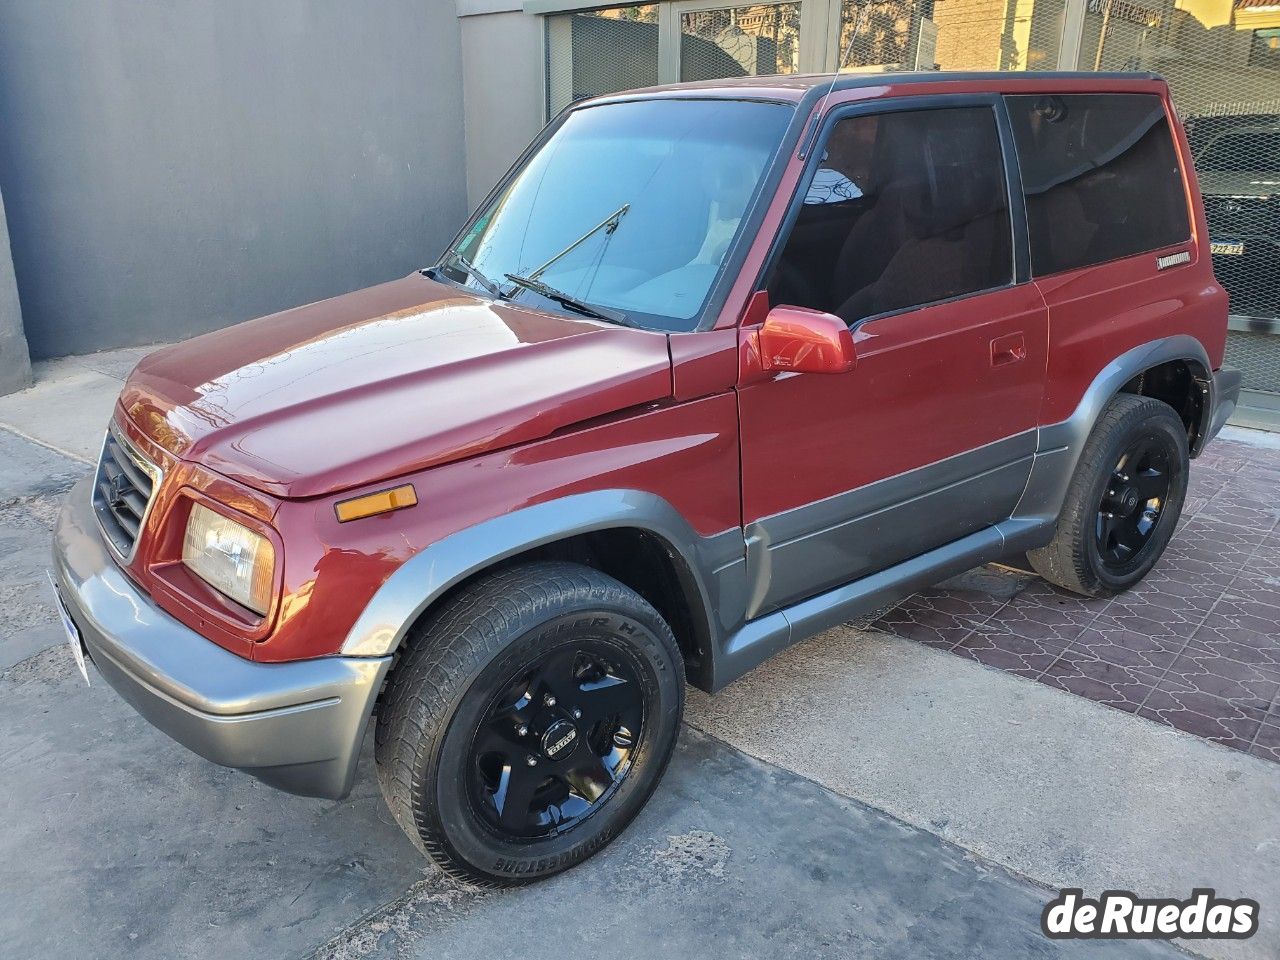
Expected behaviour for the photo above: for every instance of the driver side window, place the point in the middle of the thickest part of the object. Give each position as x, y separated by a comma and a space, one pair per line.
905, 209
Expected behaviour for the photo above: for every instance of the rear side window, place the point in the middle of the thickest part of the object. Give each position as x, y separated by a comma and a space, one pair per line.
1101, 177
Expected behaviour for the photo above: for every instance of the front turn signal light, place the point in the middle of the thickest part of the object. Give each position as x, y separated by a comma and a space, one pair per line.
372, 504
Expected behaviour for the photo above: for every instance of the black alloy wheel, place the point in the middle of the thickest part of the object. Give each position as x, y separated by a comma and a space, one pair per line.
528, 721
1133, 505
557, 740
1123, 502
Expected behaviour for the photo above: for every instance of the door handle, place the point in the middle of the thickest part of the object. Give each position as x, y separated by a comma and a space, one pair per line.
1008, 349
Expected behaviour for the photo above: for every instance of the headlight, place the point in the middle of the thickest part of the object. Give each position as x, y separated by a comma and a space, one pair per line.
229, 557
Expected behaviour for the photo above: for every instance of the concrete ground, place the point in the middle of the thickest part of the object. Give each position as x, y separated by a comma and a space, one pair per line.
860, 795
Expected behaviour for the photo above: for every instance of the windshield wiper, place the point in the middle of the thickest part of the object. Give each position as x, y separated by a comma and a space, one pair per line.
609, 224
453, 257
562, 298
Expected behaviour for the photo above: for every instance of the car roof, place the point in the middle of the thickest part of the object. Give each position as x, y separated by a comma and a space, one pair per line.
797, 87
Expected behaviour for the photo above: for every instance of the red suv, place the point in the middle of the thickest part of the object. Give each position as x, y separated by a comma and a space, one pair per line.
714, 368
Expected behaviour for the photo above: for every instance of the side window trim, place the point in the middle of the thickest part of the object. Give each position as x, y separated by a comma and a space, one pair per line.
958, 298
816, 144
1017, 196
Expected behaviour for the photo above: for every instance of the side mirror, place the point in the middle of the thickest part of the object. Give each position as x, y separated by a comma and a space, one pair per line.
806, 341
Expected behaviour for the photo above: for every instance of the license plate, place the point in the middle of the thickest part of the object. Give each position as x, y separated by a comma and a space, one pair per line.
1227, 248
73, 632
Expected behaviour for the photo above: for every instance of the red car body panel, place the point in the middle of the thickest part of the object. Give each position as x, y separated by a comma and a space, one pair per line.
488, 408
384, 382
686, 453
924, 389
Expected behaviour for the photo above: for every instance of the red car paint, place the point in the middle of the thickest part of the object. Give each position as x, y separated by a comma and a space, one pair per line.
487, 408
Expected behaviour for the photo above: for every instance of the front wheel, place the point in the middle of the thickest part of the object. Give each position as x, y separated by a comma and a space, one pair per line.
1124, 500
529, 721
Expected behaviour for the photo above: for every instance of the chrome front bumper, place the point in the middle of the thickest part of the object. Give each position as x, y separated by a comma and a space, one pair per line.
297, 726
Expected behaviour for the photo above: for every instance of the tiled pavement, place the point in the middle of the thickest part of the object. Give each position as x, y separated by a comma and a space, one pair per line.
1196, 645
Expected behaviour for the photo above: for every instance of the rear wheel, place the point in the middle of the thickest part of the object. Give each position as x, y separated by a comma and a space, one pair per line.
529, 722
1124, 500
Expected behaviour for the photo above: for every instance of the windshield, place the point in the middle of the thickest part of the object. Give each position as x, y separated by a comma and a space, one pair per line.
1253, 151
629, 208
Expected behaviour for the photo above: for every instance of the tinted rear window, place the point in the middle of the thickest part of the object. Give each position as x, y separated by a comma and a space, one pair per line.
1101, 177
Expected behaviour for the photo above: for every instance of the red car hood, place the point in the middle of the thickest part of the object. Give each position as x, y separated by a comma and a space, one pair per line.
383, 382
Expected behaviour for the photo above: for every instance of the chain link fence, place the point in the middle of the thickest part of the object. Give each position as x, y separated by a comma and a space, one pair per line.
600, 51
1222, 61
1221, 58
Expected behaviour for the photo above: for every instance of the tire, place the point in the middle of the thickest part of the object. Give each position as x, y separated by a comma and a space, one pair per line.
491, 680
1108, 535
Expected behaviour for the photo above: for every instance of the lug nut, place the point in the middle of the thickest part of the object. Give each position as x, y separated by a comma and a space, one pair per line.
577, 714
531, 761
522, 730
549, 700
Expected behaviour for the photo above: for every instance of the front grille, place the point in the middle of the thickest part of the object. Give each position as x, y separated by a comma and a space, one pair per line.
125, 483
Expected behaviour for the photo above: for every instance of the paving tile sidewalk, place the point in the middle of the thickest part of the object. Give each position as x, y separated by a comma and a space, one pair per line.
1195, 646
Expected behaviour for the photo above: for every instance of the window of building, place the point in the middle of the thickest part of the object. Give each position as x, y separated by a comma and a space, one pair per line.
1101, 177
905, 209
761, 39
605, 50
879, 35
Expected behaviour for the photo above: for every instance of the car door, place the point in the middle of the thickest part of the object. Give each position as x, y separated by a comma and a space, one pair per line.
930, 437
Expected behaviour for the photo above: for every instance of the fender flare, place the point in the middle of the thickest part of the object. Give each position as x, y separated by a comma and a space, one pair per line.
426, 576
1059, 445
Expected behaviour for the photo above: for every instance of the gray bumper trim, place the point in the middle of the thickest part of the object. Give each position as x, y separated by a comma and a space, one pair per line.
1226, 397
297, 726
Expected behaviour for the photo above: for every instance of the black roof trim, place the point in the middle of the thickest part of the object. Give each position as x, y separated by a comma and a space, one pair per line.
816, 85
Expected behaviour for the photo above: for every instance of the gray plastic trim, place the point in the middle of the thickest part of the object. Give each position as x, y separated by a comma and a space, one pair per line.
1226, 397
708, 564
753, 643
1059, 445
1057, 450
853, 534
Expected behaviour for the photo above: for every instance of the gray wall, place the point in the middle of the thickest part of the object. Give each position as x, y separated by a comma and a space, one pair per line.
502, 52
15, 365
178, 165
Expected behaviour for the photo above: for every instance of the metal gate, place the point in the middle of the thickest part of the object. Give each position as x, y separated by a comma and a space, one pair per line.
1222, 61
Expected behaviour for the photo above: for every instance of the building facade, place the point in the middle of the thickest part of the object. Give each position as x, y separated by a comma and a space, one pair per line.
185, 165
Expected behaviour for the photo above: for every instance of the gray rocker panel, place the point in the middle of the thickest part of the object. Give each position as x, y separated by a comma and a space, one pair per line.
805, 551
